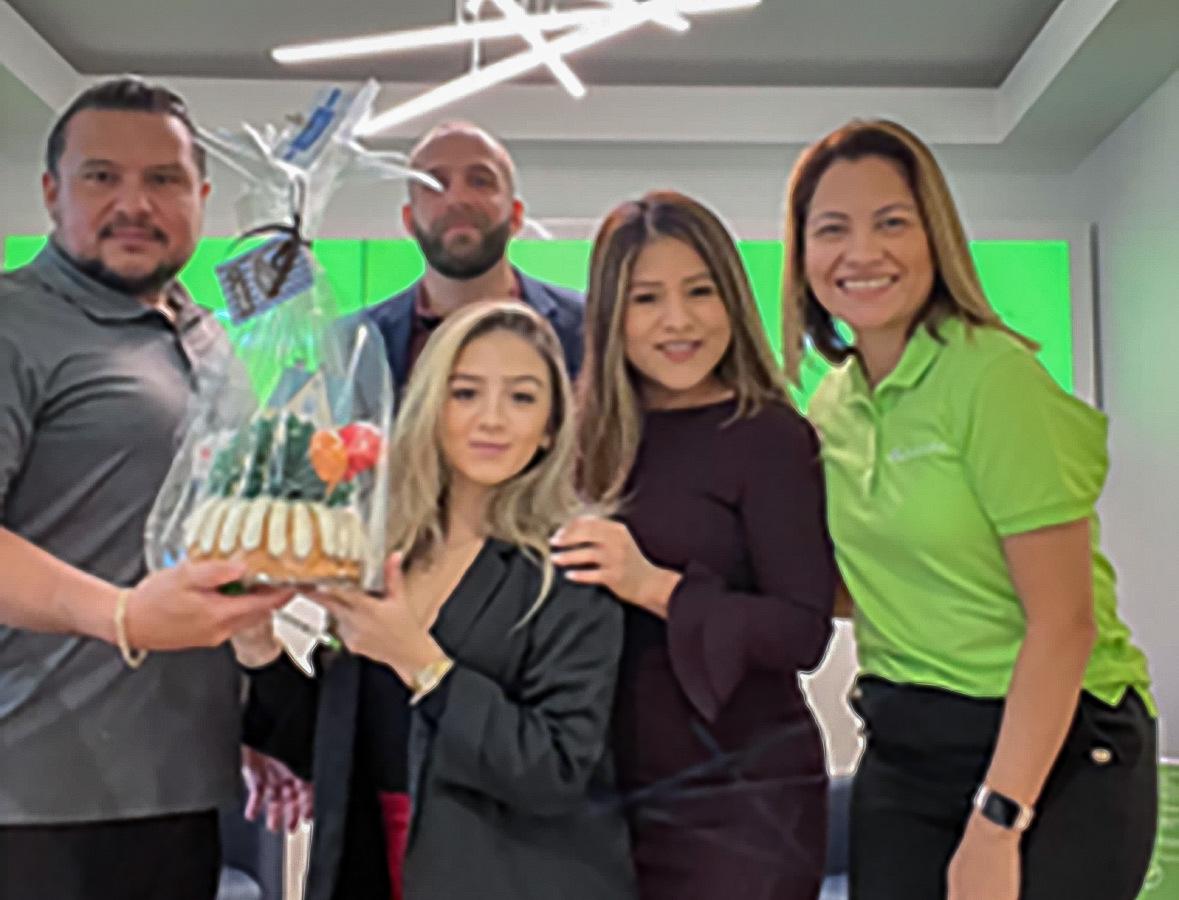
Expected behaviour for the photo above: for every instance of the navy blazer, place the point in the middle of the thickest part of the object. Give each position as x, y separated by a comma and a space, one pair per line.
563, 308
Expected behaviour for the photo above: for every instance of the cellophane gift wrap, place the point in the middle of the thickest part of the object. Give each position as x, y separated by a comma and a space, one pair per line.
283, 462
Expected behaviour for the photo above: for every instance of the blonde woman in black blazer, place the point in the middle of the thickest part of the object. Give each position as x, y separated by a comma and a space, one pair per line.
513, 667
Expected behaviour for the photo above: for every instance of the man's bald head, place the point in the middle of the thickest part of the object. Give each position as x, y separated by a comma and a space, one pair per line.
434, 143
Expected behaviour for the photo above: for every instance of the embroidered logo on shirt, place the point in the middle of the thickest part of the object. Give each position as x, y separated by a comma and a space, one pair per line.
904, 454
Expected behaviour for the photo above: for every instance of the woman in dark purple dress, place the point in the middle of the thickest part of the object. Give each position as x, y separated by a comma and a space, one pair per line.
719, 554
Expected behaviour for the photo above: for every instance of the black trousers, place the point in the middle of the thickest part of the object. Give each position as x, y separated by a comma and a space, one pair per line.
927, 752
166, 858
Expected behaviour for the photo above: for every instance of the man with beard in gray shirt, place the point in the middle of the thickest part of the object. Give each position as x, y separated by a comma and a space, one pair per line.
113, 761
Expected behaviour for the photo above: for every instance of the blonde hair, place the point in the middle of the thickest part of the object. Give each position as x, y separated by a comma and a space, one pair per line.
956, 291
526, 509
610, 413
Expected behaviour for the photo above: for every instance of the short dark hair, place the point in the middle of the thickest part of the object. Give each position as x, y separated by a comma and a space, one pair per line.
126, 93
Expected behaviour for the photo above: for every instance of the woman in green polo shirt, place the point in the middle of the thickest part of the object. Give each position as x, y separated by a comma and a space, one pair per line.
1011, 747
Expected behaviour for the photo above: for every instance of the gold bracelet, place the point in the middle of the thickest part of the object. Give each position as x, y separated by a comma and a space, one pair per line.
133, 658
429, 677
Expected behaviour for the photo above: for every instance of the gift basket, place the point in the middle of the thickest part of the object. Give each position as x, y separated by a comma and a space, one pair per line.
283, 460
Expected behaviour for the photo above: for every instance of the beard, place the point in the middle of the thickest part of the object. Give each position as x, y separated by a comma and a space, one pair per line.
134, 285
470, 262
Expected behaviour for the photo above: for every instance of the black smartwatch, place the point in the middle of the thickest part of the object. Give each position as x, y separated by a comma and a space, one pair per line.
1002, 810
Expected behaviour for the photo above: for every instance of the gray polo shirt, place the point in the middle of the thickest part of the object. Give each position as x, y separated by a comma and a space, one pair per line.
94, 390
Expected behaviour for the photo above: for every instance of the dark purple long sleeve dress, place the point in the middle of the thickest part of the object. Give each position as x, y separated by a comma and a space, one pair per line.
719, 756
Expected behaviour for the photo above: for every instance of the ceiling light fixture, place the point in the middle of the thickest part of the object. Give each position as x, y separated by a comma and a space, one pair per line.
512, 12
582, 27
467, 32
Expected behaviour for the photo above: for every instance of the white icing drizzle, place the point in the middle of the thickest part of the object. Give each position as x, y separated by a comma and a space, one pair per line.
276, 531
211, 525
225, 524
327, 528
192, 528
232, 526
255, 519
343, 534
301, 530
355, 536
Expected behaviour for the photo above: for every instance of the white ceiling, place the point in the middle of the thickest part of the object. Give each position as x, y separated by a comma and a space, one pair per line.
906, 43
1037, 81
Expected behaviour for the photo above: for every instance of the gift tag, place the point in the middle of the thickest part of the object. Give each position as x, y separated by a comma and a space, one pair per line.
264, 277
301, 626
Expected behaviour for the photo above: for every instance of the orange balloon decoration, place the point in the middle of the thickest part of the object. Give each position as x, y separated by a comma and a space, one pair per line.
329, 456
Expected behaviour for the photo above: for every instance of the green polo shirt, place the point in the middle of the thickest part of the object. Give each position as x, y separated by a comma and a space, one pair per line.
966, 442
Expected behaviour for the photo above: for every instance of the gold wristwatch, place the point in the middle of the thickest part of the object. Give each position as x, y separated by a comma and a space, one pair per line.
429, 677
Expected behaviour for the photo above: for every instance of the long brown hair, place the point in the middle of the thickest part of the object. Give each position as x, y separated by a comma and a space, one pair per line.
956, 291
610, 420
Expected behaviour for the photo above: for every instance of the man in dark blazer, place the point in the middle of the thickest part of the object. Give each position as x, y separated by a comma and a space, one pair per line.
463, 232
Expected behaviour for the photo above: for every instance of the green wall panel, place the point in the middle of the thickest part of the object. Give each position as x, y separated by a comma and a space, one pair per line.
1026, 281
390, 267
562, 262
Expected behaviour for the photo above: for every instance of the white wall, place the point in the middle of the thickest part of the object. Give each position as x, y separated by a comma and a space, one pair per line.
24, 121
1131, 182
583, 180
744, 183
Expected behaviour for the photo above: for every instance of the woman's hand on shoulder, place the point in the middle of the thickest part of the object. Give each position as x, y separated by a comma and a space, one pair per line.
593, 550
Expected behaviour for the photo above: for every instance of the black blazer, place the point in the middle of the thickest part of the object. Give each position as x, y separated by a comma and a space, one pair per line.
510, 776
